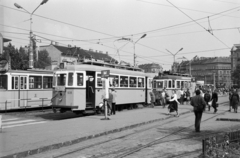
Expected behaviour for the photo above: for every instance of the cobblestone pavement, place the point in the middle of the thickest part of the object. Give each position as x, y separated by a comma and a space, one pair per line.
174, 137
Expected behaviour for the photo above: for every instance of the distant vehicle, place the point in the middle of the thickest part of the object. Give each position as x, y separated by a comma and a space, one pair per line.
174, 82
25, 88
79, 87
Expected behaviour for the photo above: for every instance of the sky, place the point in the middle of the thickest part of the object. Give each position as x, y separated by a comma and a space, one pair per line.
206, 28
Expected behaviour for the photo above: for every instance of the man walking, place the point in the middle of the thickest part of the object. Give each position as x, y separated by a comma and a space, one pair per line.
207, 98
198, 104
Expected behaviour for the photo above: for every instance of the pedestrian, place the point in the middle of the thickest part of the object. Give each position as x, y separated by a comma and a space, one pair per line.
181, 96
198, 104
109, 102
173, 106
207, 98
163, 99
230, 97
235, 100
153, 99
188, 95
114, 95
215, 100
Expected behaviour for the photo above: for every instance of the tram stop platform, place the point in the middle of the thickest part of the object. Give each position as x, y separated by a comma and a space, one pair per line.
23, 141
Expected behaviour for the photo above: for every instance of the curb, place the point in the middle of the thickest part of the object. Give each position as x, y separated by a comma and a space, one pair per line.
78, 140
228, 119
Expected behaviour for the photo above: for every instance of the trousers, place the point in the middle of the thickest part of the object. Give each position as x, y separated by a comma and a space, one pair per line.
198, 117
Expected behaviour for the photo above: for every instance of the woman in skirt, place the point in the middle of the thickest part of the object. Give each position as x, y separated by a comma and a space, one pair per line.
173, 106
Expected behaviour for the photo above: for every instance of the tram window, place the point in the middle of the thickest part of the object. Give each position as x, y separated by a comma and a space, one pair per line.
15, 82
114, 81
70, 79
133, 81
140, 82
61, 79
35, 82
169, 84
80, 79
182, 84
160, 84
165, 83
23, 82
154, 84
47, 82
173, 84
178, 84
3, 81
123, 81
99, 80
150, 83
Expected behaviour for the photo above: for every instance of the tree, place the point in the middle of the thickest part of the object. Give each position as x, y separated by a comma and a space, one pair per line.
236, 75
18, 58
43, 59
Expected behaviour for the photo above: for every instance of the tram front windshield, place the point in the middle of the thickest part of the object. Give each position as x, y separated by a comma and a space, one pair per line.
61, 79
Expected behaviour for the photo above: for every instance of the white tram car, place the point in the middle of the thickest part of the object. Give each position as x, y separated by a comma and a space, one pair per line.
174, 82
79, 87
25, 88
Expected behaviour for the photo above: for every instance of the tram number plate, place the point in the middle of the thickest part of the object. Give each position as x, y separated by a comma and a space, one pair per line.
60, 88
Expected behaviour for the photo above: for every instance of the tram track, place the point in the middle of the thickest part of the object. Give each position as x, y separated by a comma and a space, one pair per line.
128, 151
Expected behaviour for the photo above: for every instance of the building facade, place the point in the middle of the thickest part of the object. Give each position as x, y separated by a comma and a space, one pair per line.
215, 70
70, 54
235, 60
151, 68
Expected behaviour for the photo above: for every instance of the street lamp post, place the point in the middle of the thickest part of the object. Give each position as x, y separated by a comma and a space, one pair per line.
134, 43
30, 44
174, 56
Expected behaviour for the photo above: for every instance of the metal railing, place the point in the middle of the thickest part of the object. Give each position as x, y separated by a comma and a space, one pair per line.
222, 145
25, 104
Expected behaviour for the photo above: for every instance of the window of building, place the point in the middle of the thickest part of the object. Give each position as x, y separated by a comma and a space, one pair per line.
35, 82
3, 81
47, 82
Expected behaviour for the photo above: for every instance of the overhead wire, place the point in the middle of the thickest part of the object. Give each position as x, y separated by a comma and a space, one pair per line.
198, 24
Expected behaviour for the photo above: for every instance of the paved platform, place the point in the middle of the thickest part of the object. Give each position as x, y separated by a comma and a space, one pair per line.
28, 140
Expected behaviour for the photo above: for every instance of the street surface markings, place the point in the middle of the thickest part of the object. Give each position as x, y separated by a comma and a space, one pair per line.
16, 122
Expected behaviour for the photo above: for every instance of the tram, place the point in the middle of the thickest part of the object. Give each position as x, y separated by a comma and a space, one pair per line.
25, 88
174, 81
79, 87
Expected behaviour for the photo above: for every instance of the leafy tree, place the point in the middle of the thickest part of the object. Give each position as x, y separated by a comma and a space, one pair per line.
43, 59
18, 58
236, 75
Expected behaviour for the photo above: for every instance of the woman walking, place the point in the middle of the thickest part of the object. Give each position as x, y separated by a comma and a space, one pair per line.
173, 106
235, 100
215, 100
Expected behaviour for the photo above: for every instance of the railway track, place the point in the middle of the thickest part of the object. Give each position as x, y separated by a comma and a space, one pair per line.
129, 151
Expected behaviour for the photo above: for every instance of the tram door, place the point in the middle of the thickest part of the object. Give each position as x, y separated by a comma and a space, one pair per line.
19, 84
90, 89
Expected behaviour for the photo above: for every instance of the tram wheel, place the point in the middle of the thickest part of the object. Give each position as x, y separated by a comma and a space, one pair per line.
54, 110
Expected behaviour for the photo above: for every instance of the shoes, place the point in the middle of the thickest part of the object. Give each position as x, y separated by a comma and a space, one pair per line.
177, 115
229, 110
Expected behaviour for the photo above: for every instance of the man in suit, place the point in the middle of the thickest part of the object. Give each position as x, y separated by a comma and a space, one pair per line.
199, 105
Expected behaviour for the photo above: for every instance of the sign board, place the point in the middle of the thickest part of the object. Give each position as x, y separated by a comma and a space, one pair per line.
105, 73
60, 88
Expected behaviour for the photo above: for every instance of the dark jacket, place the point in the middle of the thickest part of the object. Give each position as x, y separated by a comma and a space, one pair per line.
214, 99
198, 103
234, 99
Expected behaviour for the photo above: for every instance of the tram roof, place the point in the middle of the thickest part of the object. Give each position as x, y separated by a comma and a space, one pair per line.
173, 77
99, 66
30, 71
